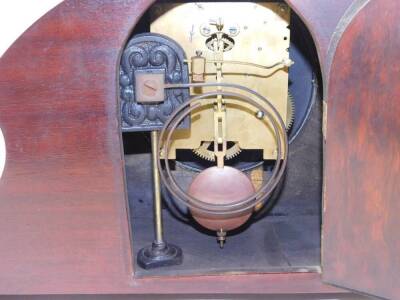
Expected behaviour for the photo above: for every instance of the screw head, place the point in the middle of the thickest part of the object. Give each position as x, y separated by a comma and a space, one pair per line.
205, 30
150, 87
260, 114
233, 30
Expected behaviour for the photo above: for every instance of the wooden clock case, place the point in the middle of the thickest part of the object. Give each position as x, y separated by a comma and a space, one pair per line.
63, 211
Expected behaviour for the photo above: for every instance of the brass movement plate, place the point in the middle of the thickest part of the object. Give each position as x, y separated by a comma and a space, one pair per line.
262, 37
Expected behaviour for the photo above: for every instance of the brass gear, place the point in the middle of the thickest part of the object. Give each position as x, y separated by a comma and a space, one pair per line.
235, 150
290, 111
206, 154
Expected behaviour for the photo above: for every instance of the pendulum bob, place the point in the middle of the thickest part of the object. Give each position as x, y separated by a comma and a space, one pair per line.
221, 186
222, 198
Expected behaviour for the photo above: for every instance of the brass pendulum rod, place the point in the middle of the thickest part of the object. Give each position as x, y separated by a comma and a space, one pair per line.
158, 226
220, 143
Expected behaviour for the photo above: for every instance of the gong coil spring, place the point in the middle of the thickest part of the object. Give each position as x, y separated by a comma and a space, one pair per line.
184, 110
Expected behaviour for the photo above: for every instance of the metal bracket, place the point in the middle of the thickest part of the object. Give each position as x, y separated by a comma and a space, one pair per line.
148, 61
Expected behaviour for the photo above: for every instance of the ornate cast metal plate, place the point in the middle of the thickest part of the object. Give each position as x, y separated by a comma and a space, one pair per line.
151, 54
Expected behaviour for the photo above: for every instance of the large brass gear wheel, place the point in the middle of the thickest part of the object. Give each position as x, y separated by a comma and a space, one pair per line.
204, 152
290, 112
207, 154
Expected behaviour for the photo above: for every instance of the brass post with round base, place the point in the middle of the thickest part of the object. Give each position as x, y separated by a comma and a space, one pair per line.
159, 253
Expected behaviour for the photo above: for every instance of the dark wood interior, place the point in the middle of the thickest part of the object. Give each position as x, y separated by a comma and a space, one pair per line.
285, 237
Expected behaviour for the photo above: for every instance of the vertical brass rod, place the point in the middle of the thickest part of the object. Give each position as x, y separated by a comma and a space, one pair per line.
158, 226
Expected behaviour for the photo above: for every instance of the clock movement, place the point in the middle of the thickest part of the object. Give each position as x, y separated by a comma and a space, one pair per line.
215, 96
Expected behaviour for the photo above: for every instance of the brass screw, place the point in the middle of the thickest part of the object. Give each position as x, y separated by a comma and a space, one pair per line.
233, 30
260, 114
150, 88
205, 30
282, 7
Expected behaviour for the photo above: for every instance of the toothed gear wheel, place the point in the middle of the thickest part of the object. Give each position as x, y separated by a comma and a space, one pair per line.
226, 39
206, 154
290, 112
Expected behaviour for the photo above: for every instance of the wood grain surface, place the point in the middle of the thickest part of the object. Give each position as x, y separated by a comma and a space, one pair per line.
361, 222
63, 217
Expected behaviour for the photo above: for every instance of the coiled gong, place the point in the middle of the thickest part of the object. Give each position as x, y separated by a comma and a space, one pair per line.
223, 198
